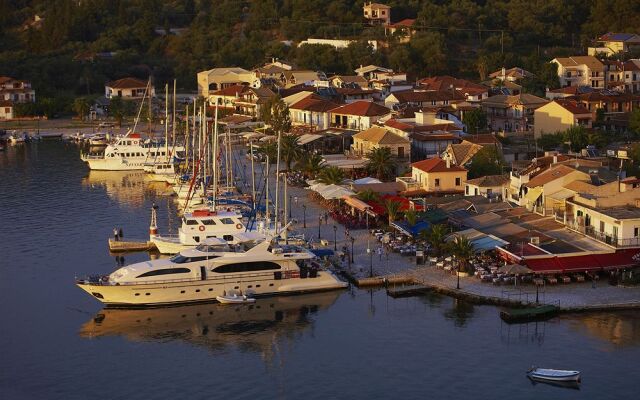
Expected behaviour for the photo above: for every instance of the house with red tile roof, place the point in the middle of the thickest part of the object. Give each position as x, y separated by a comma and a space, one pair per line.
359, 115
378, 137
511, 113
424, 98
127, 88
473, 91
612, 43
435, 175
560, 115
402, 30
226, 98
312, 111
16, 91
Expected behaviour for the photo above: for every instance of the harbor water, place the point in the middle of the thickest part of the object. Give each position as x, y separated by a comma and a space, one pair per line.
56, 342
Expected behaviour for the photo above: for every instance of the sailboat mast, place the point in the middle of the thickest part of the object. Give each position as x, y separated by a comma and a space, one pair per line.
253, 179
166, 120
149, 120
173, 125
186, 137
266, 200
277, 182
215, 157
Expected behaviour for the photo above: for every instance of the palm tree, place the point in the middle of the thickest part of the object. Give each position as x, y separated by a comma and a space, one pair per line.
310, 164
435, 237
368, 195
392, 208
331, 176
463, 250
411, 217
381, 163
290, 149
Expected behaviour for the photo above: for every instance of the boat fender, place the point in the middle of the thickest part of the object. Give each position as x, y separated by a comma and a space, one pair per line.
201, 228
238, 226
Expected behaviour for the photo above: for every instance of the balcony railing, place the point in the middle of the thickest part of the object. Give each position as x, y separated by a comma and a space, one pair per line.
603, 237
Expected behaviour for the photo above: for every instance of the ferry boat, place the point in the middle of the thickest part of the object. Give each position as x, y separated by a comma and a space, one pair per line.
129, 152
200, 225
204, 273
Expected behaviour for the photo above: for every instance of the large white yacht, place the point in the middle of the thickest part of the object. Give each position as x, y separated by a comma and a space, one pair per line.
200, 225
130, 152
202, 274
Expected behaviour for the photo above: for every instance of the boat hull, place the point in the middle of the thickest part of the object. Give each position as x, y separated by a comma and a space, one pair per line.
169, 245
102, 164
198, 291
555, 376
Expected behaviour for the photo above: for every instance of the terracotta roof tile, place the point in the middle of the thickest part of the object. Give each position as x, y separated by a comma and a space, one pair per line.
233, 90
127, 83
436, 164
380, 135
573, 107
362, 108
314, 103
490, 181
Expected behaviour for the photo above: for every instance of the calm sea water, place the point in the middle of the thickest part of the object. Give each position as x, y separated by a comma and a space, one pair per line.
57, 343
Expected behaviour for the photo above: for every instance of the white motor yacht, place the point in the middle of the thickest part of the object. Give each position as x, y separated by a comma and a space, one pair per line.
204, 273
200, 225
129, 152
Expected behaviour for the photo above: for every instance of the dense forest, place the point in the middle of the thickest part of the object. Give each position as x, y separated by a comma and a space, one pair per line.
69, 48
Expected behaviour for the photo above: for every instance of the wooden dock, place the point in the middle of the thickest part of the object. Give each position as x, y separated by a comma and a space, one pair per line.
407, 291
117, 246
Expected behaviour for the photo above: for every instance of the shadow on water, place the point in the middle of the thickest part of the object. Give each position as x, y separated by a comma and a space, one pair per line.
255, 327
565, 385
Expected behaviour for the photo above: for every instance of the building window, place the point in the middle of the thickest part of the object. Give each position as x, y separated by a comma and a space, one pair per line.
457, 181
437, 182
466, 190
636, 232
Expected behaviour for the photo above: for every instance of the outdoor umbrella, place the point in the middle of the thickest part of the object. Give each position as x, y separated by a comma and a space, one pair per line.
515, 269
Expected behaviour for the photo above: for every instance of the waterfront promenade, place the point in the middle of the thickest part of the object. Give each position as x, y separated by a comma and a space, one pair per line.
573, 296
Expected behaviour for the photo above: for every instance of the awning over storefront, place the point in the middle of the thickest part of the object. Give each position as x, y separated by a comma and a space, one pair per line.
581, 262
533, 194
308, 138
356, 203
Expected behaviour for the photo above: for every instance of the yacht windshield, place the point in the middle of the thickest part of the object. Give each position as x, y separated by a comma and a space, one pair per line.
205, 248
180, 259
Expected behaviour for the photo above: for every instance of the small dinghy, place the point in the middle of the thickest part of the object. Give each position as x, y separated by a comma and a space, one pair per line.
235, 299
555, 375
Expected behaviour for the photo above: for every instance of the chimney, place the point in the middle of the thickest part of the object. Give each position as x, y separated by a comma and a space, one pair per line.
425, 117
504, 74
555, 158
448, 163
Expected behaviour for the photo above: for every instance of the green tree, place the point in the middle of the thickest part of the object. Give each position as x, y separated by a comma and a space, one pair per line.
550, 141
118, 109
475, 120
368, 195
275, 113
310, 164
381, 163
463, 250
411, 217
392, 208
487, 161
290, 149
577, 137
435, 237
331, 176
81, 107
270, 150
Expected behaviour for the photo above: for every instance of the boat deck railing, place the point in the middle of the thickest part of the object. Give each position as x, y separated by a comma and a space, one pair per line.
231, 278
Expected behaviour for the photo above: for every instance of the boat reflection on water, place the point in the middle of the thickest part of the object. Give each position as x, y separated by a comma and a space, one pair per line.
567, 385
620, 328
256, 327
127, 187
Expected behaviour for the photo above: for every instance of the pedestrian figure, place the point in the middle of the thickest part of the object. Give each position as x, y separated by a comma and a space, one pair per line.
380, 252
120, 234
115, 234
326, 218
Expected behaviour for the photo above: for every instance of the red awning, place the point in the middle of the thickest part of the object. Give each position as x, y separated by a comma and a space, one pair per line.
585, 262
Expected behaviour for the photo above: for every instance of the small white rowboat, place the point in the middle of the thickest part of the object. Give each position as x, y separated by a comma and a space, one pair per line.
235, 299
558, 375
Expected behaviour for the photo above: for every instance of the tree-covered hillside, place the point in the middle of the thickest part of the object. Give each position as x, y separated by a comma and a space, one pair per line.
79, 44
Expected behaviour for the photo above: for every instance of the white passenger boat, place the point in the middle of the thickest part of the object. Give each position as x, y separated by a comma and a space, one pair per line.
200, 225
16, 138
201, 275
559, 375
98, 140
129, 152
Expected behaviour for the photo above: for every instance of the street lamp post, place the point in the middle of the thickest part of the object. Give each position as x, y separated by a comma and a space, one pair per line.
335, 238
304, 215
353, 239
290, 197
319, 222
458, 276
370, 262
